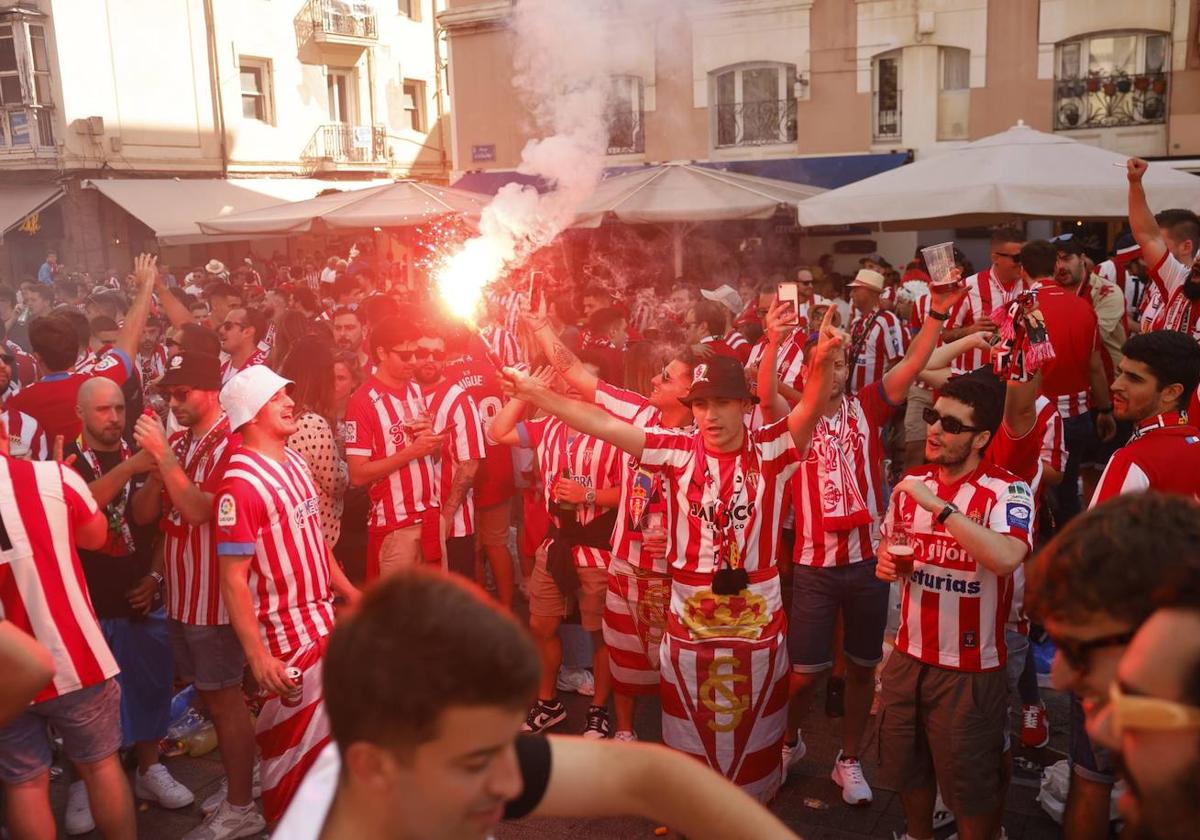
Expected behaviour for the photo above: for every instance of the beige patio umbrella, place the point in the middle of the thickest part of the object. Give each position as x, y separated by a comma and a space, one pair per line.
397, 204
679, 196
1016, 174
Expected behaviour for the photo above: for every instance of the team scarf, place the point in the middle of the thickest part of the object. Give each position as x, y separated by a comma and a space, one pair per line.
200, 457
843, 507
730, 576
1165, 420
120, 537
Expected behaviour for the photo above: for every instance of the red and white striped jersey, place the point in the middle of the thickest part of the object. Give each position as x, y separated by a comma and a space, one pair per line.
479, 378
592, 462
737, 342
42, 588
258, 357
952, 608
26, 438
25, 366
503, 345
268, 510
151, 366
1054, 442
1178, 313
878, 341
1117, 270
638, 486
1074, 334
510, 303
1163, 455
454, 414
718, 496
789, 367
191, 575
984, 294
375, 428
857, 430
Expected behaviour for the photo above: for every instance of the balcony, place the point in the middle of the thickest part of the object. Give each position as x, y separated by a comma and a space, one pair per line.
625, 133
338, 146
760, 123
26, 127
1110, 101
347, 22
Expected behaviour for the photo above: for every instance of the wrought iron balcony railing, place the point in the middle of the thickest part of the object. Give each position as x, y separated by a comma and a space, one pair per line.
1110, 101
756, 123
335, 20
340, 143
625, 133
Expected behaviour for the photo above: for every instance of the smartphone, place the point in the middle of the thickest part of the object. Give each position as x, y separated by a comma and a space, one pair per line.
790, 293
537, 288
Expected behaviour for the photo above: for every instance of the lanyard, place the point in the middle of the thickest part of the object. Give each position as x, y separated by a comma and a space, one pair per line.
118, 523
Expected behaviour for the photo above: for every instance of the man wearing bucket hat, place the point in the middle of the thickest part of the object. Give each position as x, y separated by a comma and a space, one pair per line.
877, 336
724, 665
179, 494
278, 578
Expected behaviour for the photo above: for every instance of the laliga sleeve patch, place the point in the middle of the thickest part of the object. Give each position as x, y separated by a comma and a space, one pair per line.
107, 361
226, 512
1018, 515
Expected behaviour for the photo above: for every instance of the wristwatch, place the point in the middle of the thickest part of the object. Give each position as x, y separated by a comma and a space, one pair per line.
589, 497
938, 316
158, 578
948, 511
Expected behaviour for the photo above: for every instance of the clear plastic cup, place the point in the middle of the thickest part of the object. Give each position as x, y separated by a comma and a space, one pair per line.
899, 545
940, 261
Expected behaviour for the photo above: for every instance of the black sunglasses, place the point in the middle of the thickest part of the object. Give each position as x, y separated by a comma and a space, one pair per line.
179, 394
1078, 654
950, 425
405, 355
435, 355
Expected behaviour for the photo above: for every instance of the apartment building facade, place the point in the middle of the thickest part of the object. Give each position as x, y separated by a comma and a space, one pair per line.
122, 122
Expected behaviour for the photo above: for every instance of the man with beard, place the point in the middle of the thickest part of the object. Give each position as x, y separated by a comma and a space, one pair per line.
179, 496
123, 583
995, 285
454, 415
1071, 273
1170, 244
1092, 587
638, 583
348, 334
151, 360
1157, 376
945, 695
1152, 725
877, 336
278, 580
724, 667
242, 333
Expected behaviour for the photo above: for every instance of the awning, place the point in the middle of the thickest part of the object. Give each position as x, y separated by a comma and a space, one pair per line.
18, 202
828, 172
172, 207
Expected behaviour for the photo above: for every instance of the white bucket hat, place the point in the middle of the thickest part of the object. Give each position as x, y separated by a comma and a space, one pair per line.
248, 391
725, 295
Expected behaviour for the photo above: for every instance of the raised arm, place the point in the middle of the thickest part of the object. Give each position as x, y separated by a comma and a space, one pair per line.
503, 428
562, 359
897, 380
803, 418
145, 269
1141, 218
172, 306
584, 417
773, 405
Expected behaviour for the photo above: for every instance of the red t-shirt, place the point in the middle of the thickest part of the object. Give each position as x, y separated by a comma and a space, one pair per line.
494, 481
1074, 334
51, 400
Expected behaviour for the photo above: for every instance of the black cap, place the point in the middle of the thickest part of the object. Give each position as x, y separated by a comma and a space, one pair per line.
719, 377
1068, 243
201, 371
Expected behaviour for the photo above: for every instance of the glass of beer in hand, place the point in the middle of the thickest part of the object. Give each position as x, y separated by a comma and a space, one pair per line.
898, 534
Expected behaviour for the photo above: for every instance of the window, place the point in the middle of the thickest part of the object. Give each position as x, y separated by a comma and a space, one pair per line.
10, 74
414, 99
256, 89
885, 96
26, 116
409, 8
340, 87
1111, 79
41, 64
625, 111
954, 93
755, 105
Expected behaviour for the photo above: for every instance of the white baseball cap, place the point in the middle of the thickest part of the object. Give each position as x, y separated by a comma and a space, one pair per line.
725, 295
248, 391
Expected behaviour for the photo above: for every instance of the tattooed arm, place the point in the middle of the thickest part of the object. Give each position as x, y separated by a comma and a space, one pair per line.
460, 485
565, 362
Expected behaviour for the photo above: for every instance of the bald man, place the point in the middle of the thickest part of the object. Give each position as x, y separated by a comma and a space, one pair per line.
123, 582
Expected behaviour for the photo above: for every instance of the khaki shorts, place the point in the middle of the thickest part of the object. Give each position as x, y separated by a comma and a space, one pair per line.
943, 726
915, 427
491, 523
545, 599
400, 549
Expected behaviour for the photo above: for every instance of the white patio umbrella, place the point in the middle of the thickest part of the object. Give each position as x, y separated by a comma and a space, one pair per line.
397, 204
679, 196
1016, 174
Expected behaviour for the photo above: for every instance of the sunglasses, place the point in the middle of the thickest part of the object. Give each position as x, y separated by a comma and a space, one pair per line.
225, 325
1016, 258
177, 394
950, 425
1078, 654
435, 355
404, 355
1132, 711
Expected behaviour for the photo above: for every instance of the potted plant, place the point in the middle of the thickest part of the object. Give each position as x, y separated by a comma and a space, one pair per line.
1159, 85
1093, 84
1110, 88
1141, 83
1124, 83
1078, 88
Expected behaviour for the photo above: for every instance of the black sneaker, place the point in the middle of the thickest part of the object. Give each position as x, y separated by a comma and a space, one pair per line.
543, 715
835, 703
597, 723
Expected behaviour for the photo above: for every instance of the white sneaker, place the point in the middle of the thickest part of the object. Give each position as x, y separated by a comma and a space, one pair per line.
214, 801
942, 816
158, 785
79, 811
626, 736
849, 775
790, 756
227, 823
578, 680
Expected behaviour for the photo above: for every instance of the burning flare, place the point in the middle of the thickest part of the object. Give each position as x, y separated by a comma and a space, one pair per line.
464, 275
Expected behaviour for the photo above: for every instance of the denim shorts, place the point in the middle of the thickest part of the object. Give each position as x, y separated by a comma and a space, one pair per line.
818, 593
208, 655
88, 720
143, 652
